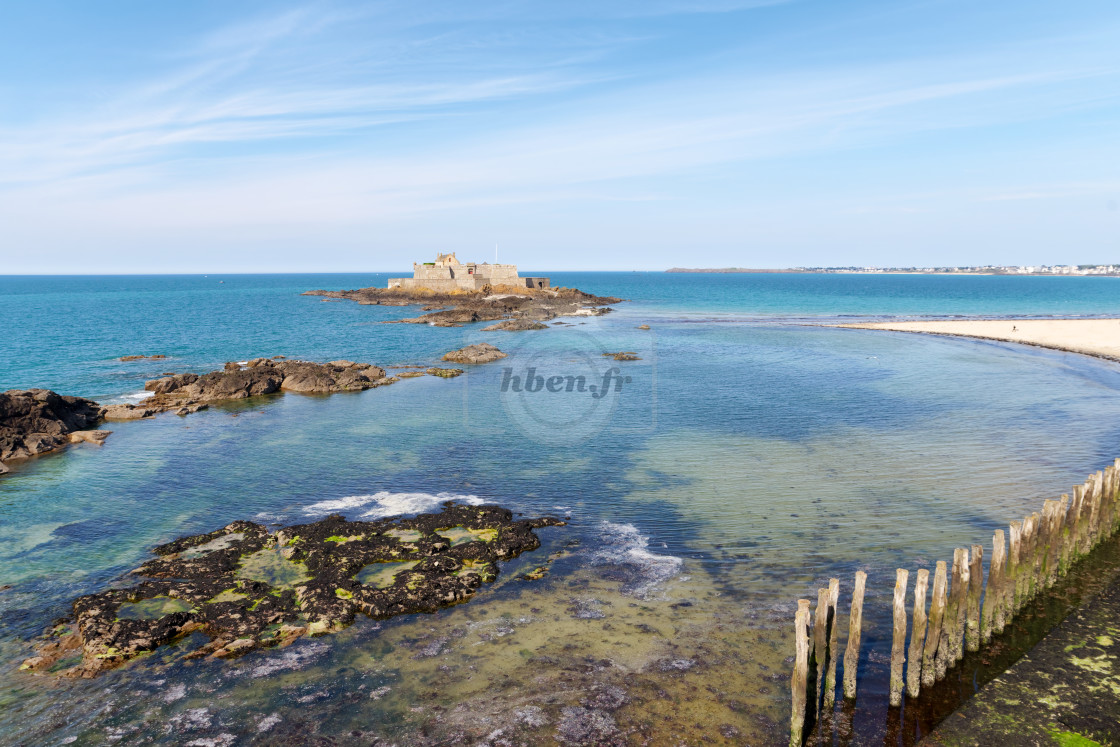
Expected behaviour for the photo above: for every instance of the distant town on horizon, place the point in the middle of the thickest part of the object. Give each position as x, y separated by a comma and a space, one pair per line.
1104, 270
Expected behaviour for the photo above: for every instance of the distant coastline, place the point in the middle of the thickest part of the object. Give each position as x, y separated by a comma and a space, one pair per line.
1045, 270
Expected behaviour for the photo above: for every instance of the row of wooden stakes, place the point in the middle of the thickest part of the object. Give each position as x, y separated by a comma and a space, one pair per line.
963, 614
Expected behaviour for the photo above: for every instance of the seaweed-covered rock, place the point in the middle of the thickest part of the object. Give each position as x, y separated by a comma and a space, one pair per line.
34, 421
245, 588
482, 352
514, 325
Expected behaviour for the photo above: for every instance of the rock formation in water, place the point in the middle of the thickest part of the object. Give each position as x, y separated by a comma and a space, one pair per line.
482, 352
186, 393
35, 421
459, 308
245, 588
514, 325
625, 355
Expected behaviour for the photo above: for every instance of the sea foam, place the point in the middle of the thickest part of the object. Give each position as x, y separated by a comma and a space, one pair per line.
624, 548
390, 504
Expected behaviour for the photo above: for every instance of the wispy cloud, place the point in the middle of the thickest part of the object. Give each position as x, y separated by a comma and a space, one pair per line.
342, 116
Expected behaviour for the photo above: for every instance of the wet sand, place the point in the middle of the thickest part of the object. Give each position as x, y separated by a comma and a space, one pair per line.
1096, 337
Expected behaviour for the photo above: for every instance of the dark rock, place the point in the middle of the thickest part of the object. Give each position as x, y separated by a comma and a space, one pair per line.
482, 352
245, 588
141, 357
35, 421
456, 309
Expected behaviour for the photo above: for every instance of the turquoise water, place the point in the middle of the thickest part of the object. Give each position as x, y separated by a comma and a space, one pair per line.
748, 458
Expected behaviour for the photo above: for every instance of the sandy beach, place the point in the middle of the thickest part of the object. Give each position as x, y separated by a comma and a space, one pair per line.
1097, 337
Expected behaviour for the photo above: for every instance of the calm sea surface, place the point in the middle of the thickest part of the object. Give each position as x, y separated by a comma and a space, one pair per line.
746, 458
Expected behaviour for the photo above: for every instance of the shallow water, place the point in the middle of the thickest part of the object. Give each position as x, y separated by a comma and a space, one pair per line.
745, 461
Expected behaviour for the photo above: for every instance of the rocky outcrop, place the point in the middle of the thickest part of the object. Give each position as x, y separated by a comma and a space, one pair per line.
482, 352
625, 355
457, 309
245, 588
185, 393
35, 421
445, 373
514, 325
127, 358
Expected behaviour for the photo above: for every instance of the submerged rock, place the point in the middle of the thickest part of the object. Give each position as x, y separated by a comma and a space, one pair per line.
625, 355
35, 421
482, 352
127, 358
245, 588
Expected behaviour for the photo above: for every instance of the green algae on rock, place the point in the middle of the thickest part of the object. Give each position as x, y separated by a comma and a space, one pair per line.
245, 588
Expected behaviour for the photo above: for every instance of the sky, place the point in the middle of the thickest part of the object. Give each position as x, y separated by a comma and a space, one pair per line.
140, 136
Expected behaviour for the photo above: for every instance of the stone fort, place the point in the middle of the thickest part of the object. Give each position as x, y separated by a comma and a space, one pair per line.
449, 274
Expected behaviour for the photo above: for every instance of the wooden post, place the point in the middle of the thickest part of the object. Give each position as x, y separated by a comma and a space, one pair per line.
1038, 540
1054, 542
1082, 518
962, 607
993, 617
933, 632
947, 648
975, 588
1025, 566
1011, 580
917, 635
1097, 491
898, 645
833, 643
855, 627
1072, 521
800, 672
820, 642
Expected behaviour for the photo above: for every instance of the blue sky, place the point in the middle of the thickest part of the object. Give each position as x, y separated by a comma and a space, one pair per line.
330, 136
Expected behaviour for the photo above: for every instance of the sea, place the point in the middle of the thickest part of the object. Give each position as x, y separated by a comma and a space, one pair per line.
750, 454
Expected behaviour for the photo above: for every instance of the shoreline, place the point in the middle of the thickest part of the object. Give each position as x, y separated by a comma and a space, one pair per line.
1098, 338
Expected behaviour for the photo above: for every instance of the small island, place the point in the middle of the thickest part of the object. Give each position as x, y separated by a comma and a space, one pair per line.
456, 293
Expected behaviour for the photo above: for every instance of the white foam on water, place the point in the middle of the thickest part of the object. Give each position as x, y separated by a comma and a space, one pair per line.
138, 395
386, 503
624, 546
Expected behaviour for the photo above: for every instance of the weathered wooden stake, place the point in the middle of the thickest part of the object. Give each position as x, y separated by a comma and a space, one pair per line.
855, 627
917, 635
1025, 569
933, 632
947, 648
975, 589
1097, 488
800, 672
833, 643
962, 607
1069, 532
898, 645
993, 617
1011, 579
820, 642
1082, 518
